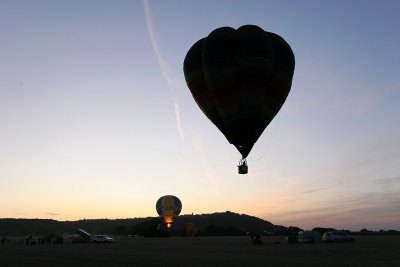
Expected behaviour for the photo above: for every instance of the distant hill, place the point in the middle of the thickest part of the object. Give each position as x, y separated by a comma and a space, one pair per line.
227, 219
240, 222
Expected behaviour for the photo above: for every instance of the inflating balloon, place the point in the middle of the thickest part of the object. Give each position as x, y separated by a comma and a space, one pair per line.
240, 80
168, 207
189, 230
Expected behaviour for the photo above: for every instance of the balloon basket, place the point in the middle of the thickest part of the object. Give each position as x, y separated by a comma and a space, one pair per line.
242, 167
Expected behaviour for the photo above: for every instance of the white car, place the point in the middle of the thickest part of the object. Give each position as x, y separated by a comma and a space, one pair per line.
103, 239
337, 236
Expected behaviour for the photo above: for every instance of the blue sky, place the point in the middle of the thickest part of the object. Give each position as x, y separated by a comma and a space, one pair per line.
96, 119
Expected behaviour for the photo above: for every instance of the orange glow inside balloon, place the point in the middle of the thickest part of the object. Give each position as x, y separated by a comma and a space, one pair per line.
168, 219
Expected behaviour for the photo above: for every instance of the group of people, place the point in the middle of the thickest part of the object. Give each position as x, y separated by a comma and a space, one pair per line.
49, 239
256, 239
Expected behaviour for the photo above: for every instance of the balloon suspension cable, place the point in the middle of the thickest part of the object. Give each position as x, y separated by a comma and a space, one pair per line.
242, 167
271, 138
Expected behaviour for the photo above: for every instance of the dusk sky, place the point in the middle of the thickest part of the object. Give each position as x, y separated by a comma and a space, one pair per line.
96, 120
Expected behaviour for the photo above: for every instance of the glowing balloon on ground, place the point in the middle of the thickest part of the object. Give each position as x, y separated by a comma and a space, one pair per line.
240, 80
168, 207
189, 230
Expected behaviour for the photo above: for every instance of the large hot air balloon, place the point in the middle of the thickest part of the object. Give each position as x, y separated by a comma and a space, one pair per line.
240, 80
168, 207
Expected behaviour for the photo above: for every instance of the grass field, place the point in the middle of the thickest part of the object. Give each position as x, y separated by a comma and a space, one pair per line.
205, 251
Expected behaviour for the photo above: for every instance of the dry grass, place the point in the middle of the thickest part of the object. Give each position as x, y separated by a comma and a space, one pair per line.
205, 251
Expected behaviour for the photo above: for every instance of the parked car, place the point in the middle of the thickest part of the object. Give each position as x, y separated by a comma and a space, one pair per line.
103, 239
338, 236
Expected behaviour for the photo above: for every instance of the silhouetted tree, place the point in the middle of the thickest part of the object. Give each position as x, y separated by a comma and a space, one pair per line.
323, 230
120, 230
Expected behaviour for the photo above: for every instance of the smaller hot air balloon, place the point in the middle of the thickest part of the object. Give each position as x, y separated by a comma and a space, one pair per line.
189, 230
168, 207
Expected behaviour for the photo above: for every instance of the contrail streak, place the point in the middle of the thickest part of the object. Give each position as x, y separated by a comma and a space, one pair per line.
178, 121
161, 62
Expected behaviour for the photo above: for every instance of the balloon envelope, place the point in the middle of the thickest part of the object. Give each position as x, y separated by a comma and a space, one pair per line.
240, 80
168, 207
189, 230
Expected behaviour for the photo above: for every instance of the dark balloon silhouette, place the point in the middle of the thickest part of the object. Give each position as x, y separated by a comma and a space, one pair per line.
240, 80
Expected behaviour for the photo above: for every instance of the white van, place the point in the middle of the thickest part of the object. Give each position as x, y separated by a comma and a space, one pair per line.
337, 236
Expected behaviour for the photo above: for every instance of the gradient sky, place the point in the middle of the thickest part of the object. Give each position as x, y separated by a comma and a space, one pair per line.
96, 120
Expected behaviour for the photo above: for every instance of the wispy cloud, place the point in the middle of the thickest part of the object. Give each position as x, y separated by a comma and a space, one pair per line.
392, 180
370, 203
316, 190
368, 209
288, 181
19, 211
52, 214
163, 64
373, 151
156, 47
178, 120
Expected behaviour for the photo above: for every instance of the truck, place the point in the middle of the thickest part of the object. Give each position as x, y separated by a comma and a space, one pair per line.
87, 238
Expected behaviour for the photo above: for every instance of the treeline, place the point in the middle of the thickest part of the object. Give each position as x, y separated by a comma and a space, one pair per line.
215, 224
380, 232
222, 223
22, 227
154, 228
364, 231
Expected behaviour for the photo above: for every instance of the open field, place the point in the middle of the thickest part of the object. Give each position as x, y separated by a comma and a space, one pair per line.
205, 251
